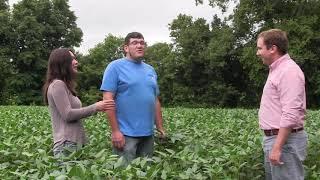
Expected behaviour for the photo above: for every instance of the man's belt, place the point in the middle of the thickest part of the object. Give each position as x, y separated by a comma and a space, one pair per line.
272, 132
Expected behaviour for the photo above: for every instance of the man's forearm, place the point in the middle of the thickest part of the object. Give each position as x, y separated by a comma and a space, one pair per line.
111, 113
112, 120
281, 137
159, 121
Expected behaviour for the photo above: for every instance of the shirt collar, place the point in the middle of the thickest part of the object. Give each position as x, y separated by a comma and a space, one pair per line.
277, 62
133, 60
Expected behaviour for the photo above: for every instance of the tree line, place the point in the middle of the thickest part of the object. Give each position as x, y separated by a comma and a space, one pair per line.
207, 64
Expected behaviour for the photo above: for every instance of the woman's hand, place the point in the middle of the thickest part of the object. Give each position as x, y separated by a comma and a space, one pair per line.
105, 105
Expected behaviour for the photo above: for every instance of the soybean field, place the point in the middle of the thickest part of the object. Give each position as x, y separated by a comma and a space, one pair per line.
201, 144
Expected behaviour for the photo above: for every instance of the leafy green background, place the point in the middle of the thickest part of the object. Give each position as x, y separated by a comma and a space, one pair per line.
202, 144
208, 63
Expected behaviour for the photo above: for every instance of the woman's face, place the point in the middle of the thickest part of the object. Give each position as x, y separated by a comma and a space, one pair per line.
74, 63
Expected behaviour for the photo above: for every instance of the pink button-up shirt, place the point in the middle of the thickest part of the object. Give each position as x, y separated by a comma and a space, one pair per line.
283, 102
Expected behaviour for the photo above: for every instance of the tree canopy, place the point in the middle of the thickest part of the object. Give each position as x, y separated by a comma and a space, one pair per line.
207, 64
5, 40
93, 65
36, 28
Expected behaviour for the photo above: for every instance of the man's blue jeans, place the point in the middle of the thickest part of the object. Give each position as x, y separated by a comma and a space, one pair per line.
136, 147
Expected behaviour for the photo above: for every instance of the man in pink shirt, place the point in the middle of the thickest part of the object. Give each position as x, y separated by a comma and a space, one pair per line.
282, 109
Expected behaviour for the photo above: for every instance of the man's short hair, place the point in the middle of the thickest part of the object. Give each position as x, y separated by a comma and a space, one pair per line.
275, 37
132, 35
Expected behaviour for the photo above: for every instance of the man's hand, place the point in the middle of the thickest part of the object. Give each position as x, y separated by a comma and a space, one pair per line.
162, 133
275, 153
274, 156
118, 140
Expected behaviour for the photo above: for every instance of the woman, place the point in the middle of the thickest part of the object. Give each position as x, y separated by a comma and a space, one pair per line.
65, 107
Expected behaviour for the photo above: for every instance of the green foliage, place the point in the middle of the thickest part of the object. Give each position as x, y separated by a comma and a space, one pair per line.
161, 57
191, 38
216, 64
202, 144
5, 66
38, 27
207, 70
208, 64
93, 65
300, 19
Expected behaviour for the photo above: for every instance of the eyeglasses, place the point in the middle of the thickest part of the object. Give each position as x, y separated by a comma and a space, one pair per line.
134, 43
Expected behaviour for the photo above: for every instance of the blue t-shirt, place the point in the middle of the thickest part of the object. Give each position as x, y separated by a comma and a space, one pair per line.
135, 89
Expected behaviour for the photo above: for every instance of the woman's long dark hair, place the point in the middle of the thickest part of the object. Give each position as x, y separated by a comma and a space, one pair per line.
59, 67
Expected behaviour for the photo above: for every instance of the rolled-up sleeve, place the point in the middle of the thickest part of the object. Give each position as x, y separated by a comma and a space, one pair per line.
292, 98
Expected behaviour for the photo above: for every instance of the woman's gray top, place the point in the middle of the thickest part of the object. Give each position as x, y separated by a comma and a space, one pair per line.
66, 114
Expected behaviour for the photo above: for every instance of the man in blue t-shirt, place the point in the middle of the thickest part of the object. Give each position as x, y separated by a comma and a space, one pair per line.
132, 84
